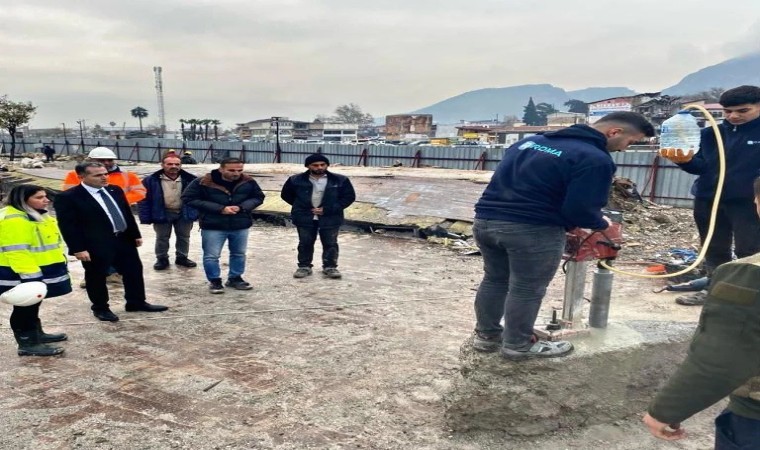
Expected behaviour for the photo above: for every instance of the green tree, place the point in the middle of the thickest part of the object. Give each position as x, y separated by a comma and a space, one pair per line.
216, 123
351, 113
140, 113
98, 131
543, 110
577, 106
205, 123
12, 116
182, 123
193, 125
530, 114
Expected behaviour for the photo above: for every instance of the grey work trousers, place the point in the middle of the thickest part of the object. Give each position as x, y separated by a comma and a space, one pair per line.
163, 231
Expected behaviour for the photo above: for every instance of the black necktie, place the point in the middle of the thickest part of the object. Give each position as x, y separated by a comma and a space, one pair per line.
118, 220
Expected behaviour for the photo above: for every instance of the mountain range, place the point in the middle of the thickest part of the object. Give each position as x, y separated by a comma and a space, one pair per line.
490, 103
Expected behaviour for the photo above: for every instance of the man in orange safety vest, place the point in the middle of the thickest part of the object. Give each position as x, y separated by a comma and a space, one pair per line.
129, 182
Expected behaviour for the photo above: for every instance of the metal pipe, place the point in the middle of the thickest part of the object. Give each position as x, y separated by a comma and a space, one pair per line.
575, 281
601, 291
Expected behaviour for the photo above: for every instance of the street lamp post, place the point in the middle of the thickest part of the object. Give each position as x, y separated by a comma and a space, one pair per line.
278, 150
81, 135
64, 131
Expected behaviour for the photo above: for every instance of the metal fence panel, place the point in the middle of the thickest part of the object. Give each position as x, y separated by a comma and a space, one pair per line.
658, 180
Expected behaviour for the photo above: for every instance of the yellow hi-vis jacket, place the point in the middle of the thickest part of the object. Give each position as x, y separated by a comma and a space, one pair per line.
31, 251
129, 182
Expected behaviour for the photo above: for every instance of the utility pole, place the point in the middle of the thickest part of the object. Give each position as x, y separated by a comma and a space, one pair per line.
64, 131
81, 129
160, 99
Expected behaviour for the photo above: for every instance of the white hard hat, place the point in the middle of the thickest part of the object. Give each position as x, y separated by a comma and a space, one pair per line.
101, 153
25, 294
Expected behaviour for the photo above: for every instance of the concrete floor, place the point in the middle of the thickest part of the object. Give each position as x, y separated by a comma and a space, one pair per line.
360, 362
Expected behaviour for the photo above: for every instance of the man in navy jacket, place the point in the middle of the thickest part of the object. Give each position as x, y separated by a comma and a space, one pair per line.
318, 197
544, 185
736, 224
225, 199
163, 207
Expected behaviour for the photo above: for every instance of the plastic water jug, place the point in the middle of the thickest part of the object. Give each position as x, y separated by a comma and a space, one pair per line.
680, 131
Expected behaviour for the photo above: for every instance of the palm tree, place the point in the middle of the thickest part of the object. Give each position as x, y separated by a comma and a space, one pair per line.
193, 124
216, 124
140, 113
205, 123
182, 123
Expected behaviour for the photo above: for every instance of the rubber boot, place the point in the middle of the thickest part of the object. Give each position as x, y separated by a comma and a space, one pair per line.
46, 338
29, 345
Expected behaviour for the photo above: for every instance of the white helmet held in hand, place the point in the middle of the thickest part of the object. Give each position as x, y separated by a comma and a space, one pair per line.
25, 294
101, 153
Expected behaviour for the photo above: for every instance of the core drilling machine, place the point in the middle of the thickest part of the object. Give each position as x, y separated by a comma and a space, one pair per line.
583, 246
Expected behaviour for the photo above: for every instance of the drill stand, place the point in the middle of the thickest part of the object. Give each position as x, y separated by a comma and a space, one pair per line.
581, 247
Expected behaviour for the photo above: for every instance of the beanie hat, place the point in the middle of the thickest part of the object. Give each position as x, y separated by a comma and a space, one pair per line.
316, 157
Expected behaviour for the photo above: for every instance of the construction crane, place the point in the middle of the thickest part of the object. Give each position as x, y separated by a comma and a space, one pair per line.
160, 99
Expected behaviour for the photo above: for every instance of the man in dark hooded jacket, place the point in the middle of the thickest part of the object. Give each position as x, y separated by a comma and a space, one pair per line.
545, 185
318, 197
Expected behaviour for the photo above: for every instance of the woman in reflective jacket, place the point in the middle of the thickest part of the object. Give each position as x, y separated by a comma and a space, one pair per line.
31, 249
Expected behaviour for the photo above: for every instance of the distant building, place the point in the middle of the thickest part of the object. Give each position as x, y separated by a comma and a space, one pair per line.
566, 118
481, 134
401, 126
267, 129
510, 135
600, 108
715, 110
658, 109
333, 131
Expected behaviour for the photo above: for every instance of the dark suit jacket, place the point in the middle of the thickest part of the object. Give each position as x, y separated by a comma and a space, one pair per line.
85, 225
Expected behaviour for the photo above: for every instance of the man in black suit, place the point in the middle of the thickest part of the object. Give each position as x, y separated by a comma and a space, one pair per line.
100, 230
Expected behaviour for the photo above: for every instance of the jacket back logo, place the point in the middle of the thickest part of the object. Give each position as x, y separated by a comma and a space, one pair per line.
542, 148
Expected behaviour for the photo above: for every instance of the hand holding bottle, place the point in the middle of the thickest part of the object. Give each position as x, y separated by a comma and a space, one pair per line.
677, 155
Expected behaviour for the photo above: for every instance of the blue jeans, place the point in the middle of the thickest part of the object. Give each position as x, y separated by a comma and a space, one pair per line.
734, 432
519, 261
213, 242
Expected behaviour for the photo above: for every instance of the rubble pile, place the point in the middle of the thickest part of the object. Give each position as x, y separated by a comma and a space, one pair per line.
651, 231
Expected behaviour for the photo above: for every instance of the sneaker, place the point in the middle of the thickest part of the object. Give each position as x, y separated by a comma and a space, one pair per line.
114, 278
484, 343
302, 272
331, 272
695, 299
215, 286
540, 349
239, 284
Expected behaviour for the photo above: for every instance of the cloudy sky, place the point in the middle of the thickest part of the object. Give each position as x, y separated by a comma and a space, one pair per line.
239, 60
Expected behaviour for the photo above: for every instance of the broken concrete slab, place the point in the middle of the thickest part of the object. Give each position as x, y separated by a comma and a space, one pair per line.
612, 374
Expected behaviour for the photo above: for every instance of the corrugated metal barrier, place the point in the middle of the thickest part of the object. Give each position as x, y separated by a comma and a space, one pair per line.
658, 180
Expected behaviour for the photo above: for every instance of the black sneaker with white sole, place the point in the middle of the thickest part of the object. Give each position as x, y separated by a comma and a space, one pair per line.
215, 286
239, 284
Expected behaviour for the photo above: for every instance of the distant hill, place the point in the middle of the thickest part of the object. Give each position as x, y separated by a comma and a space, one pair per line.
731, 73
487, 103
